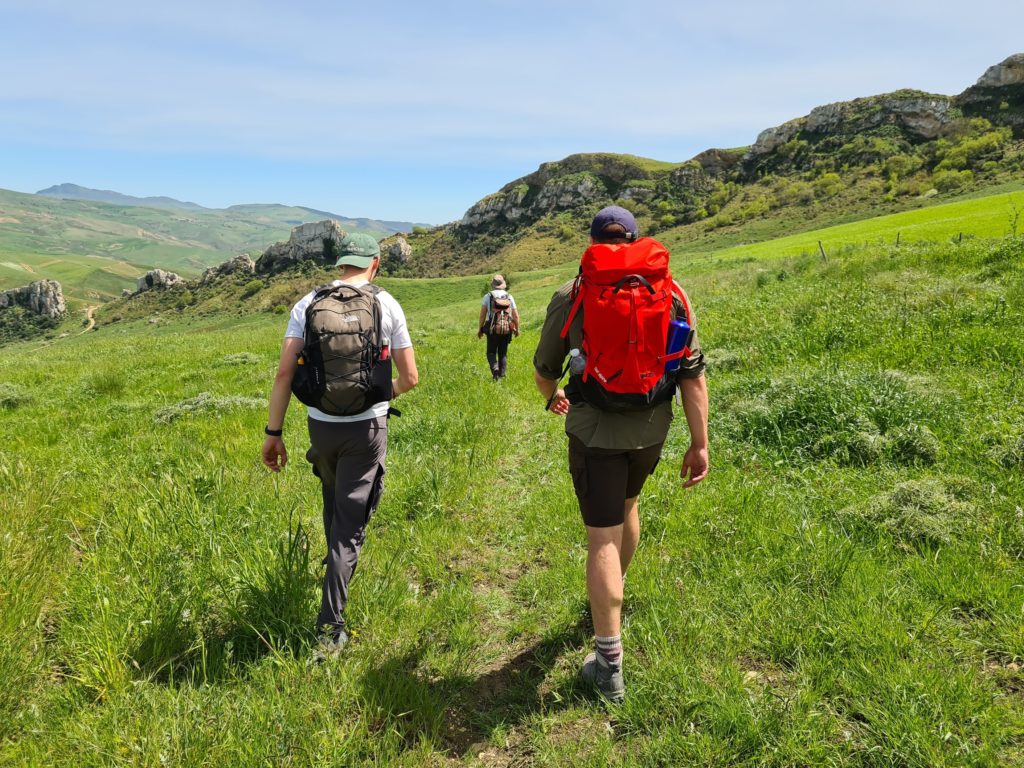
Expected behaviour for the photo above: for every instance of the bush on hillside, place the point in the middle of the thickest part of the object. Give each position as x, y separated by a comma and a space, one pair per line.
252, 288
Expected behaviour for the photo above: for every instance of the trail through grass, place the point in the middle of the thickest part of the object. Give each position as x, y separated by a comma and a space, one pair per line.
843, 590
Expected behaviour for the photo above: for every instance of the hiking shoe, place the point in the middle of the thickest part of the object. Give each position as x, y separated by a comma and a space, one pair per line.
328, 646
606, 678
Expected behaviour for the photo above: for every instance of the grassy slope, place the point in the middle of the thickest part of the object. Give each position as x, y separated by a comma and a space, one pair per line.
798, 608
990, 216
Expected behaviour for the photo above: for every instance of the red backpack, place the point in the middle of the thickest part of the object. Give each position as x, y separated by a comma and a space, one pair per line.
625, 291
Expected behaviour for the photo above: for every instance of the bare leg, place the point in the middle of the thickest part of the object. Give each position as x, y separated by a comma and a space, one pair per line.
604, 578
630, 534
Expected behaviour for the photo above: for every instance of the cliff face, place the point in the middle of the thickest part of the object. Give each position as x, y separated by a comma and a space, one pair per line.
44, 298
998, 95
906, 140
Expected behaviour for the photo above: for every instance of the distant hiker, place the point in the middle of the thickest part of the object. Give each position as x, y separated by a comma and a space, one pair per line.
499, 320
336, 358
613, 323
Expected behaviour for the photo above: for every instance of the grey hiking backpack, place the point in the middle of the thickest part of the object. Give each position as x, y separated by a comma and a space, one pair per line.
345, 364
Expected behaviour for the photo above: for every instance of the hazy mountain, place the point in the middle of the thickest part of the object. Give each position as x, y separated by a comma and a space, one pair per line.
75, 192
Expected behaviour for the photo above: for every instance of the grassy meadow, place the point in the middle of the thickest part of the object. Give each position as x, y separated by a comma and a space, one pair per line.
845, 588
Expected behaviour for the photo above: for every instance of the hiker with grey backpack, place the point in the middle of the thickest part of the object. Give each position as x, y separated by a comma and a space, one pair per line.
339, 348
499, 321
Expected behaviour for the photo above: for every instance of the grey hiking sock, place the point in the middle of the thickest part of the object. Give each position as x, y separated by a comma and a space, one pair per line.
609, 650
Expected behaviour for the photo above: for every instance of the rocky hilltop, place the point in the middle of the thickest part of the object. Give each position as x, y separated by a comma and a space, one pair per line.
859, 154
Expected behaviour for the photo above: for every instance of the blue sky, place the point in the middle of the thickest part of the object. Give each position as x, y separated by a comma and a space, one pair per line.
415, 110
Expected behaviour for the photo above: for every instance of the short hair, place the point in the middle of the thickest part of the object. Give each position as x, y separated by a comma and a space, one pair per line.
612, 234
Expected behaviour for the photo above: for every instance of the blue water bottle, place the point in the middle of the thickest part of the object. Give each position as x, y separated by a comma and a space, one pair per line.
679, 333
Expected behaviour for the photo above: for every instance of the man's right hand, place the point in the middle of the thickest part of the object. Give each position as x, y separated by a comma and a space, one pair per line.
274, 454
695, 463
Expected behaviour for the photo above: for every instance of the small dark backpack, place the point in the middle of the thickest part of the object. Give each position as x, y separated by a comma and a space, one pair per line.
344, 367
501, 315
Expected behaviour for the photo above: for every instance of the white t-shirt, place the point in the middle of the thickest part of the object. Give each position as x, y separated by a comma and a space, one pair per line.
486, 301
393, 329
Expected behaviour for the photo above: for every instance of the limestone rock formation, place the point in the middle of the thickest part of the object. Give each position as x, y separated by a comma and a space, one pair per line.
398, 251
1007, 72
998, 95
308, 242
241, 264
45, 298
157, 279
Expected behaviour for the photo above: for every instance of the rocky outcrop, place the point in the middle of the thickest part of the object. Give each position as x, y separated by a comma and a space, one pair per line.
719, 162
522, 202
44, 298
690, 179
1008, 72
771, 139
398, 251
998, 96
242, 264
157, 279
308, 242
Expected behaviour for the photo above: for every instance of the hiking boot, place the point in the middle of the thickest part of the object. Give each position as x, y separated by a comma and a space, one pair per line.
329, 645
607, 678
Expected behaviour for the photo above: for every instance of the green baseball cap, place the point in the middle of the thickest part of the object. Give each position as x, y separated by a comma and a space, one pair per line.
357, 250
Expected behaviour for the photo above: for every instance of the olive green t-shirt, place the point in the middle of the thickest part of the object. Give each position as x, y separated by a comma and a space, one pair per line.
597, 428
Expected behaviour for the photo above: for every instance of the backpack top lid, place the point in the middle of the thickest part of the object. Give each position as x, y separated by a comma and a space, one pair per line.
607, 263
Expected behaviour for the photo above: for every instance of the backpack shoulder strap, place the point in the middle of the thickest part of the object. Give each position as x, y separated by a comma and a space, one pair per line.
577, 299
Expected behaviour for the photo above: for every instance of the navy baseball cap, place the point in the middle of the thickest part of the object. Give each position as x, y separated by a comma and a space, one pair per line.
613, 214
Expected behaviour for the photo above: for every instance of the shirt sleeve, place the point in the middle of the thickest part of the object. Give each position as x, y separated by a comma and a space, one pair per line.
297, 320
400, 338
552, 349
510, 298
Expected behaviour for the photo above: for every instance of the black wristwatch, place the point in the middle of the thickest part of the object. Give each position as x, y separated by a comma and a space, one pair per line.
273, 432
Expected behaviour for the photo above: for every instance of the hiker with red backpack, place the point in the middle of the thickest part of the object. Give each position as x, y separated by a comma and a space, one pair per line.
499, 320
627, 330
337, 360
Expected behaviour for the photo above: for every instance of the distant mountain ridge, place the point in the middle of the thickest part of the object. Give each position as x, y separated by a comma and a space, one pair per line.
68, 191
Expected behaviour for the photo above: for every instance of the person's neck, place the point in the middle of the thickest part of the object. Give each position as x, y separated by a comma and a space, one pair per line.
355, 274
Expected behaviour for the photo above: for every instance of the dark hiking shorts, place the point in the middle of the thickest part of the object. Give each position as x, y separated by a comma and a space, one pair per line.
604, 478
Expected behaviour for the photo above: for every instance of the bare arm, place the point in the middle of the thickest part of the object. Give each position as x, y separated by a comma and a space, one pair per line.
408, 376
695, 406
515, 321
274, 454
552, 394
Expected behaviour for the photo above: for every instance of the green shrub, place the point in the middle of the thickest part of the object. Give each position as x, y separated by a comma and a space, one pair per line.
251, 288
952, 181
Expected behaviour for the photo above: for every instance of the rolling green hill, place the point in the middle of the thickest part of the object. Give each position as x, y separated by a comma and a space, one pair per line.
849, 160
111, 244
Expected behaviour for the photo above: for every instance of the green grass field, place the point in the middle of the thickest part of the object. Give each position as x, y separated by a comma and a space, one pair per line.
843, 590
990, 216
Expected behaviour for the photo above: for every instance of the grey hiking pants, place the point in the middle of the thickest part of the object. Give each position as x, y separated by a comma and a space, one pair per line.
348, 457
